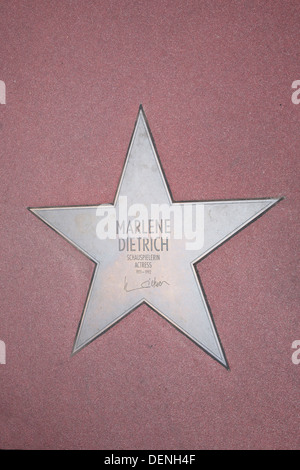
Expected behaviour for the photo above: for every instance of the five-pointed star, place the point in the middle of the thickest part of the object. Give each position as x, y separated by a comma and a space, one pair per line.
116, 287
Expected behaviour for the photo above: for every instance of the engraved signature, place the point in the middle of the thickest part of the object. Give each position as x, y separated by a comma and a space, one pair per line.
148, 284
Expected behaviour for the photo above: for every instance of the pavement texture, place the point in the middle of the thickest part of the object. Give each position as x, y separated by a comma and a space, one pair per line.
215, 80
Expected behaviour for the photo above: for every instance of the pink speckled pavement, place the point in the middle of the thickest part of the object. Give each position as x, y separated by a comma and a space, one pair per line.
215, 80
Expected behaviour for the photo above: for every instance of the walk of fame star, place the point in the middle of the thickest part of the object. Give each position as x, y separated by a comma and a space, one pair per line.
171, 287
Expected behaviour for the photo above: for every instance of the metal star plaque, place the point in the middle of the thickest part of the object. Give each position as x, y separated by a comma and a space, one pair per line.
145, 247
